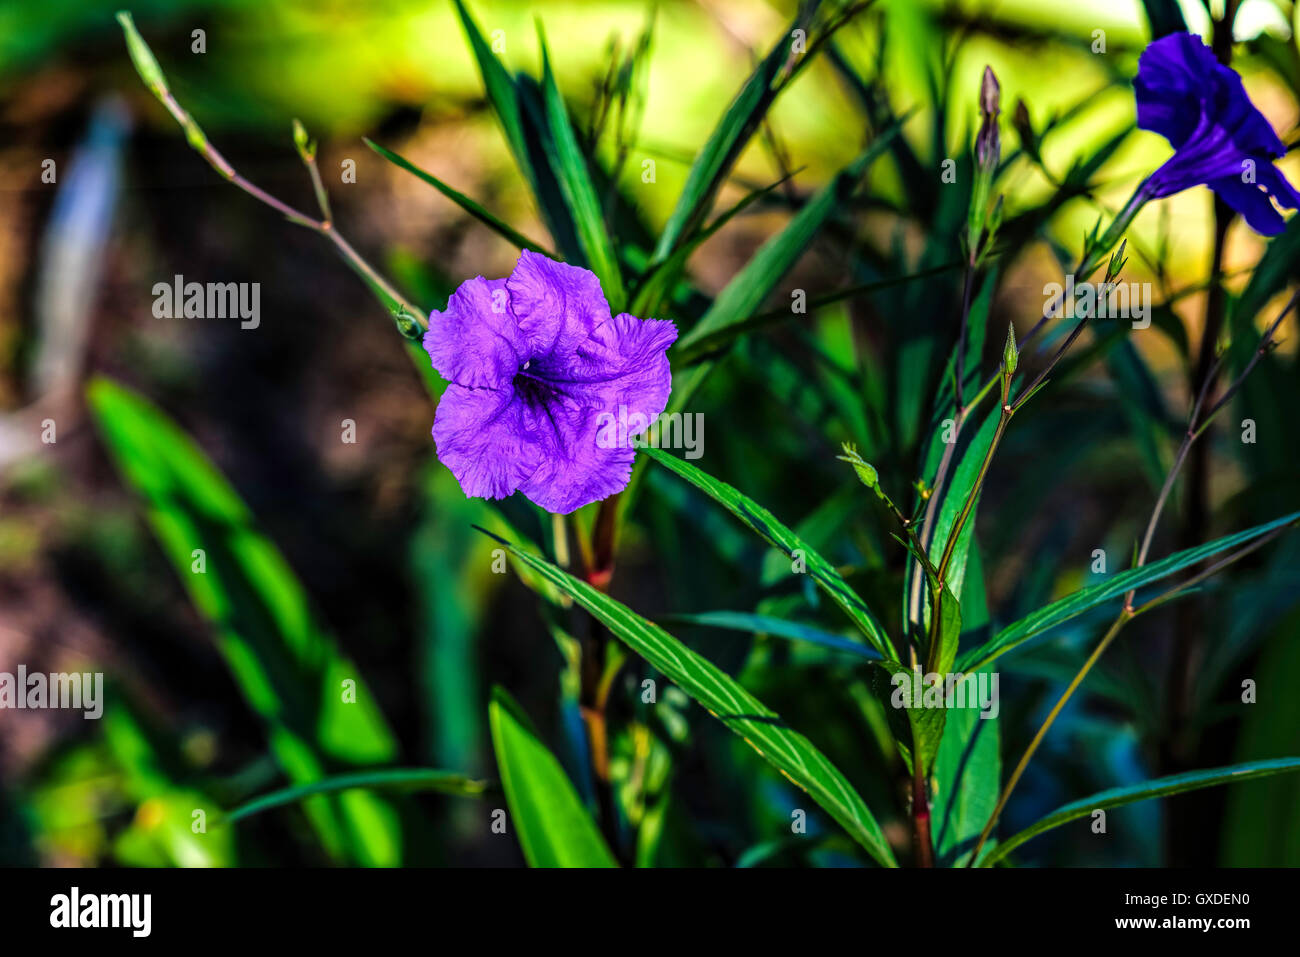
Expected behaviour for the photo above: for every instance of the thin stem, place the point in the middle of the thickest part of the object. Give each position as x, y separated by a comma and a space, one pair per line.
922, 838
921, 814
1128, 612
959, 366
409, 319
1201, 576
951, 545
307, 151
1265, 344
1196, 426
1124, 617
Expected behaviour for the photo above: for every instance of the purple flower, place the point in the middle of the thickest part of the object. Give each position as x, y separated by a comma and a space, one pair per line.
538, 370
1220, 140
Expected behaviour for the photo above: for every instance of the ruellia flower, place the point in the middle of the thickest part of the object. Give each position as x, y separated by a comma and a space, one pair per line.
538, 369
1220, 139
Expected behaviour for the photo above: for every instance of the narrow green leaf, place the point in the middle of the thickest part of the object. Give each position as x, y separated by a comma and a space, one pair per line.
776, 627
500, 88
553, 827
922, 726
1165, 17
748, 289
733, 132
949, 632
772, 531
657, 285
966, 771
497, 225
717, 341
761, 728
1160, 787
403, 780
570, 167
961, 481
967, 767
1062, 610
285, 663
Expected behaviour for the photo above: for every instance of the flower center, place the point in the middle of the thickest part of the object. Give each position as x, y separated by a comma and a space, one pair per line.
534, 390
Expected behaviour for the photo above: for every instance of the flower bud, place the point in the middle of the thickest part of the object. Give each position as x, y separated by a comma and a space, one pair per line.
988, 143
1025, 129
866, 472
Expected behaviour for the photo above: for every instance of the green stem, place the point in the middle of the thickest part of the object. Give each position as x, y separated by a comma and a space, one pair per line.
1124, 617
410, 320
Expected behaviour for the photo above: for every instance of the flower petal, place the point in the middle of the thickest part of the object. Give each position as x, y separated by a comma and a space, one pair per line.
607, 391
558, 306
578, 463
1169, 86
1201, 106
476, 342
1252, 203
624, 366
484, 438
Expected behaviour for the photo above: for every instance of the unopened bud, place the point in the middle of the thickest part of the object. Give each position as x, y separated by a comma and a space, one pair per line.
866, 472
306, 148
988, 144
1025, 129
1117, 261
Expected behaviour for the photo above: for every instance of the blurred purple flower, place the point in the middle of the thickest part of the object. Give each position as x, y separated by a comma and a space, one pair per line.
535, 362
1220, 139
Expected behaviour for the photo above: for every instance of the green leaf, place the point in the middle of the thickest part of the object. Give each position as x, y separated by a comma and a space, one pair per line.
922, 726
500, 88
282, 659
967, 767
761, 728
717, 341
962, 481
517, 103
748, 289
729, 137
657, 285
498, 226
554, 828
1160, 787
1165, 17
776, 627
1260, 827
570, 168
949, 632
403, 780
1062, 610
770, 529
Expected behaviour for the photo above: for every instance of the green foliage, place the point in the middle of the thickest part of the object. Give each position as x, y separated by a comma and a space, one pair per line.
761, 728
897, 354
288, 668
1160, 787
553, 827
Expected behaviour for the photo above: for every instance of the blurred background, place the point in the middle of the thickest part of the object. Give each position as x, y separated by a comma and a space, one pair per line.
363, 552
